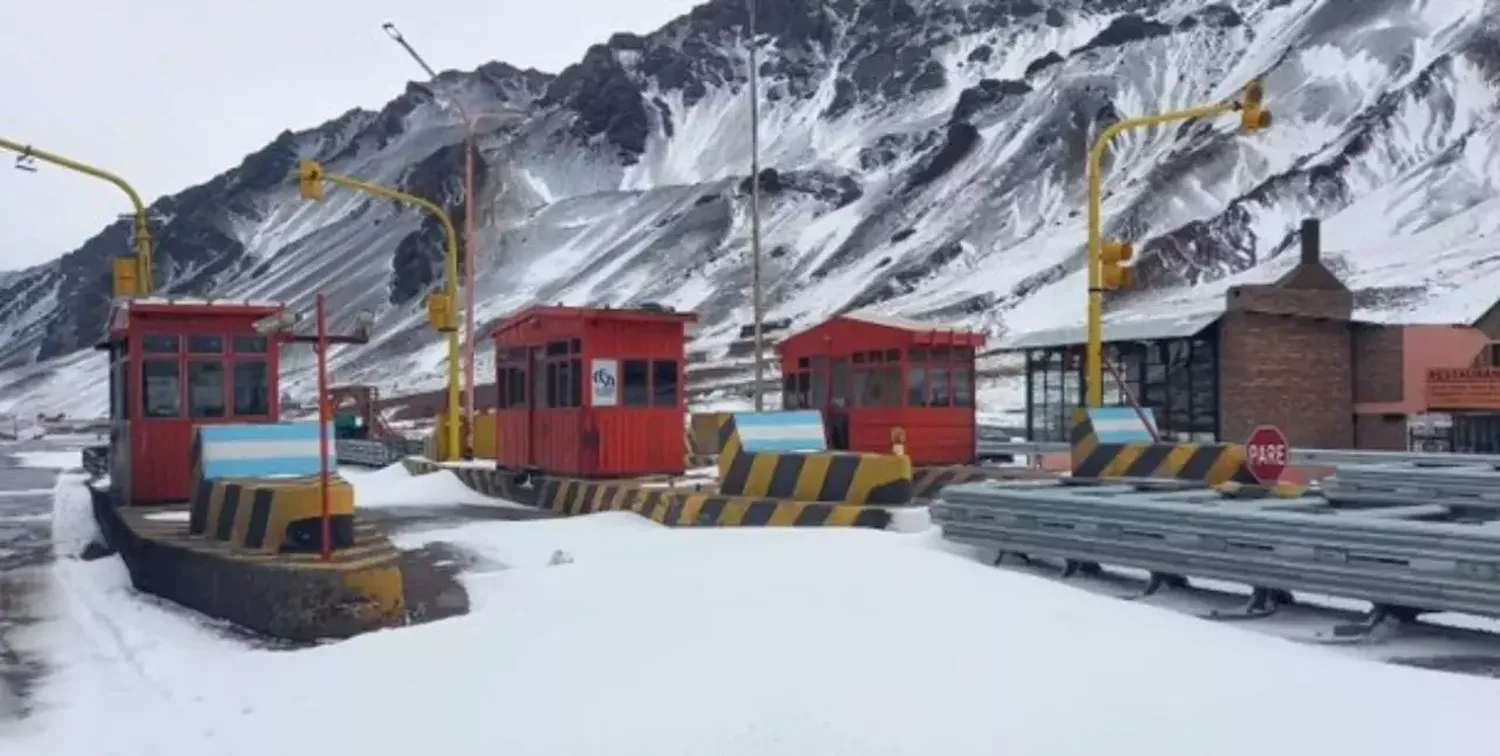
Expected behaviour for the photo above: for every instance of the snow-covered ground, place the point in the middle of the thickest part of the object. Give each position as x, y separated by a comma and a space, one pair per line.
648, 640
393, 487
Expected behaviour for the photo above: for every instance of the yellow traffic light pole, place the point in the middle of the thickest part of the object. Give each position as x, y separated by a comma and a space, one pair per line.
141, 263
310, 178
1254, 117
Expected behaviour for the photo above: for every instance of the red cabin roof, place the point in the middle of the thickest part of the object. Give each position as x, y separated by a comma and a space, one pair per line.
872, 330
160, 308
539, 313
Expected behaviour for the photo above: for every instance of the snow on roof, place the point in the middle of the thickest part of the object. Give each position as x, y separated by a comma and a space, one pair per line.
905, 324
1122, 329
127, 303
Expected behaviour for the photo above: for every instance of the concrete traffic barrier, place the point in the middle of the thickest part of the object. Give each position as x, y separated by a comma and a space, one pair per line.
680, 508
280, 515
1112, 442
250, 450
784, 455
928, 482
714, 510
249, 551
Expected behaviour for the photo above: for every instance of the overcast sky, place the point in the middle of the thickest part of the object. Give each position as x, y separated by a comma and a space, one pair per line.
168, 93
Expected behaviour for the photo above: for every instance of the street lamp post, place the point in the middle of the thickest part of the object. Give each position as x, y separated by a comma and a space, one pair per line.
140, 267
756, 301
310, 177
469, 122
1253, 117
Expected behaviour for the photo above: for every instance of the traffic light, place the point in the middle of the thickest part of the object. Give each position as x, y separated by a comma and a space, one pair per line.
1254, 116
127, 282
310, 180
1113, 259
440, 312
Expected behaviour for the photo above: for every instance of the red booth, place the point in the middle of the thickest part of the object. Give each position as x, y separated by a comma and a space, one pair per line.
591, 392
870, 374
173, 364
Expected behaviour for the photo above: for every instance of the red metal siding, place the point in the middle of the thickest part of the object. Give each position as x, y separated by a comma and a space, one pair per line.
941, 435
870, 429
558, 437
591, 441
512, 438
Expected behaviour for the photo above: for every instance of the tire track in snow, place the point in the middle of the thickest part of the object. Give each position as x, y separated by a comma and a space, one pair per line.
93, 603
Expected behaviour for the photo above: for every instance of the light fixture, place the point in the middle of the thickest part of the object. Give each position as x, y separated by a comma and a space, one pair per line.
364, 325
283, 320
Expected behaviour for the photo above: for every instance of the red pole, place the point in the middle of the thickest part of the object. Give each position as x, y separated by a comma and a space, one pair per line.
323, 421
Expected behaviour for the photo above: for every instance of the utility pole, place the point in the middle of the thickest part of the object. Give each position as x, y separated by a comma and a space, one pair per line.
757, 307
470, 208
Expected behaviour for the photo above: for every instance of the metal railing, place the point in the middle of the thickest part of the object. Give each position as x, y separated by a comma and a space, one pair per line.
991, 445
375, 452
1456, 488
1377, 554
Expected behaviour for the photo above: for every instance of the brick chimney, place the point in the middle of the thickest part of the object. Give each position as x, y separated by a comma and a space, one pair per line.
1310, 242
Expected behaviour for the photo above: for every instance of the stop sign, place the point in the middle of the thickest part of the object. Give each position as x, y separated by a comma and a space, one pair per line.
1266, 453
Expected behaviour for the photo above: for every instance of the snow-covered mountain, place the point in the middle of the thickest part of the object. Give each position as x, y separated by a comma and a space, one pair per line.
924, 157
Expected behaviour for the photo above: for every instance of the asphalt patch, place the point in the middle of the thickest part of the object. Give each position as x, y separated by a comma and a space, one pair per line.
19, 672
1476, 665
430, 575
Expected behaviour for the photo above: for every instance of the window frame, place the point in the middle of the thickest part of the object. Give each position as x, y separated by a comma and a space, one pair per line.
225, 403
147, 408
637, 393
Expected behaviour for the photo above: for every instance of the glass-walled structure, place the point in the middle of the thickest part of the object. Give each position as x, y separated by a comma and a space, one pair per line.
1177, 379
1477, 433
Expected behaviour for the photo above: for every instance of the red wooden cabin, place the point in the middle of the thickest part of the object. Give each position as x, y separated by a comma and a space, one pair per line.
591, 392
870, 374
176, 363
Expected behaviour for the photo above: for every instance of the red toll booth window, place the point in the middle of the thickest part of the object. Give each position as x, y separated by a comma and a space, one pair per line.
648, 383
940, 376
205, 376
161, 375
250, 376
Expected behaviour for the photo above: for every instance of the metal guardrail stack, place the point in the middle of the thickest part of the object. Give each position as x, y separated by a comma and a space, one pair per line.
372, 452
1414, 536
1469, 491
992, 444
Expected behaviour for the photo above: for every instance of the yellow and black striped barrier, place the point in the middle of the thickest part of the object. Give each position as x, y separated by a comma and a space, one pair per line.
1210, 464
703, 438
700, 506
680, 508
928, 482
713, 510
495, 482
275, 515
836, 477
696, 455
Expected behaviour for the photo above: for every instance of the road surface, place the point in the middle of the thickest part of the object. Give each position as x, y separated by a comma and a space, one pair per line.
25, 552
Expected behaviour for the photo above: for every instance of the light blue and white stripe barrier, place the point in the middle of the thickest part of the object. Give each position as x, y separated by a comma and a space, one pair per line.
1120, 425
788, 431
258, 450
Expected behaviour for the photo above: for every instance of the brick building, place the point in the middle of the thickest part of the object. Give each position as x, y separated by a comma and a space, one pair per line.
1287, 353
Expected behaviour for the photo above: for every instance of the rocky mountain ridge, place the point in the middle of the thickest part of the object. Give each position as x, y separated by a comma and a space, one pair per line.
923, 157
